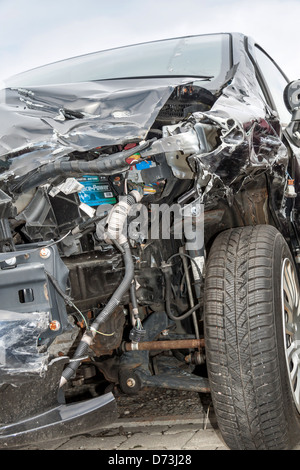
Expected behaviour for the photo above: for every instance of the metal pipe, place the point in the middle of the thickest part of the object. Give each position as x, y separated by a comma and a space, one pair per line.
189, 287
165, 345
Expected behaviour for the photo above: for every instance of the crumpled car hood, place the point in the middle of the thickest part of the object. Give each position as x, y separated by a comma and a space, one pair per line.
43, 124
48, 122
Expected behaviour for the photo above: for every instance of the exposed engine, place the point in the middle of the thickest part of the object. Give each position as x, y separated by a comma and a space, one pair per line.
84, 229
111, 244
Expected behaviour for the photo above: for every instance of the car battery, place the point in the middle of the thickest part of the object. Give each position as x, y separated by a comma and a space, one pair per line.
97, 190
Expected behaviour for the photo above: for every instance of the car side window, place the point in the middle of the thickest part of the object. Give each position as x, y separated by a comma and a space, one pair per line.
274, 81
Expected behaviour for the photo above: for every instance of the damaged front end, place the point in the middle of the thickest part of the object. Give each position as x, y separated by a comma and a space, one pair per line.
94, 291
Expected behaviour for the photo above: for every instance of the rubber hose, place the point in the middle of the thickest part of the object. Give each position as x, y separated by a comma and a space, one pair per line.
115, 300
103, 165
168, 303
133, 296
121, 290
80, 352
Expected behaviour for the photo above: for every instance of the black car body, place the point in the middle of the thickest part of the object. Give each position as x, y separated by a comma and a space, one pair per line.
92, 146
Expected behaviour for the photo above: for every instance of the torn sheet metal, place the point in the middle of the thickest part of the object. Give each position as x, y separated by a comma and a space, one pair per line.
237, 137
249, 131
47, 123
243, 149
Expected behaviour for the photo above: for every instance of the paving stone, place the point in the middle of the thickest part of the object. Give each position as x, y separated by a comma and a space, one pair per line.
52, 445
144, 428
94, 443
205, 440
186, 427
156, 441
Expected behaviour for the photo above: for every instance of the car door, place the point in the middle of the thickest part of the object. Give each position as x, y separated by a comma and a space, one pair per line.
271, 79
273, 83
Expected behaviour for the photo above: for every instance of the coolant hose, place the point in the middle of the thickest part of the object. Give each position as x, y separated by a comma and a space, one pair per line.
115, 300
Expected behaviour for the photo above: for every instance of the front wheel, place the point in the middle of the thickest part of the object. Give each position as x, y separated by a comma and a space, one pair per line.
252, 338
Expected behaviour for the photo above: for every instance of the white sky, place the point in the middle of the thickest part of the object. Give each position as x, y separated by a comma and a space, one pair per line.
36, 32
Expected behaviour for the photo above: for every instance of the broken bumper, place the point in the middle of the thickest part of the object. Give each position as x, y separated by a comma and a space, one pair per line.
60, 422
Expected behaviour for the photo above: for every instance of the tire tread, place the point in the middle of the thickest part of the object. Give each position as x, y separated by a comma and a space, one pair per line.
241, 340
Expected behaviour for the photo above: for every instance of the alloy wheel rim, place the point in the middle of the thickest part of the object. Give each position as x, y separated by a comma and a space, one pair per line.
291, 327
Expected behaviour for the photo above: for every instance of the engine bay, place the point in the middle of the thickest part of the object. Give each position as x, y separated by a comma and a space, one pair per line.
59, 232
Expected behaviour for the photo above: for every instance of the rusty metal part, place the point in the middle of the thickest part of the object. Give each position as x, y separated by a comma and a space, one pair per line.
109, 368
165, 345
113, 327
196, 357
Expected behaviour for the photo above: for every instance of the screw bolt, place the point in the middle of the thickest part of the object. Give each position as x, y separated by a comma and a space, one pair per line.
45, 253
195, 211
130, 382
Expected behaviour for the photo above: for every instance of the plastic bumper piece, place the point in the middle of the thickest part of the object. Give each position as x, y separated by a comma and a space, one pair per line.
60, 422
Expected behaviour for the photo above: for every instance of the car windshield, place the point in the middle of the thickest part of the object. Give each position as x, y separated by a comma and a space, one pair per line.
205, 56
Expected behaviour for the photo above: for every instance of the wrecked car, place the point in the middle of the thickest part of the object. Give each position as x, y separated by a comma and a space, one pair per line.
149, 236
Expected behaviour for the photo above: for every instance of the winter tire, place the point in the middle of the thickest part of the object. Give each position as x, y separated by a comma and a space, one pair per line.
252, 338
